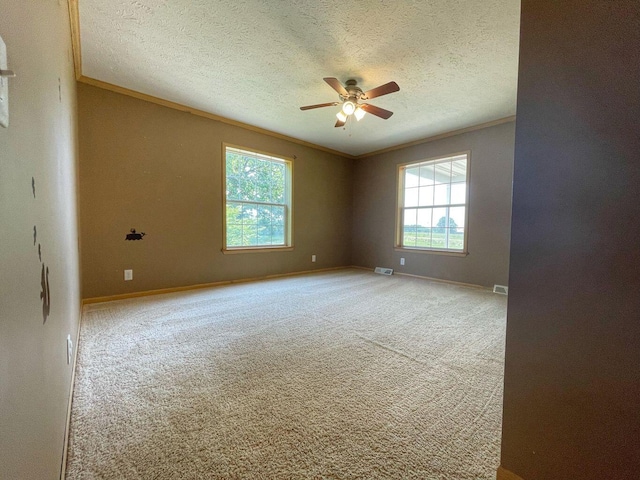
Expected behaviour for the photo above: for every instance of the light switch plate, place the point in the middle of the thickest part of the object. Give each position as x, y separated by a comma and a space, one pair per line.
4, 87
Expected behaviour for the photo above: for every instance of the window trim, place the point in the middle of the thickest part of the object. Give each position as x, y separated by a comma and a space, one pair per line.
400, 205
288, 246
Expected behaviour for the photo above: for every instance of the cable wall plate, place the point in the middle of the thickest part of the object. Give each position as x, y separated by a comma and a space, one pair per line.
4, 87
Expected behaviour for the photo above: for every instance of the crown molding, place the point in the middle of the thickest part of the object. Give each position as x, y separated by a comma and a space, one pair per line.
74, 20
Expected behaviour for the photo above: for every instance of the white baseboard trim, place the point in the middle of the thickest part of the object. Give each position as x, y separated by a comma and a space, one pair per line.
504, 474
65, 450
432, 279
186, 288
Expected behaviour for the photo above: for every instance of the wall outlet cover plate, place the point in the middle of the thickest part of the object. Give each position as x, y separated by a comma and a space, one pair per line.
4, 87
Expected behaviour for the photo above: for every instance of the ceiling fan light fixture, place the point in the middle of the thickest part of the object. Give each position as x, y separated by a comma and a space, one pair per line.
348, 107
351, 95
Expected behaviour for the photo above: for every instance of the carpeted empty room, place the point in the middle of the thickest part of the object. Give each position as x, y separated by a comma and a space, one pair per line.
336, 375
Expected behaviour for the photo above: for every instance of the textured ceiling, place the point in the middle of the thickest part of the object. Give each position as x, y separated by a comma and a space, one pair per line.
258, 61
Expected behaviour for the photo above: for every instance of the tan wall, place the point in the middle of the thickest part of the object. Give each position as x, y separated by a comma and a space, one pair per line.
572, 366
40, 143
159, 171
491, 170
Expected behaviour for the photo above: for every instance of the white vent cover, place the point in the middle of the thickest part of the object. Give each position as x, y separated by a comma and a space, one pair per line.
501, 289
384, 271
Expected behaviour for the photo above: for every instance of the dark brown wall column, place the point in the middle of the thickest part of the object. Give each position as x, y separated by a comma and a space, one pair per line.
572, 379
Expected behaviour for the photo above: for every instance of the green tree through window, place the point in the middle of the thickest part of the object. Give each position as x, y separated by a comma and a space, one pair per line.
257, 199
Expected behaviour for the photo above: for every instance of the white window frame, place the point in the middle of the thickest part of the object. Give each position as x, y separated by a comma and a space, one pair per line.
288, 203
400, 184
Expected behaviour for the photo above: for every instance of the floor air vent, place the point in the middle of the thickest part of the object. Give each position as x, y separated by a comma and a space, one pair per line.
501, 289
384, 271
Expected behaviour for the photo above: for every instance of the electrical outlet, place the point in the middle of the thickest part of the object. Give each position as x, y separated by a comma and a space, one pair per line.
313, 258
69, 349
401, 260
128, 275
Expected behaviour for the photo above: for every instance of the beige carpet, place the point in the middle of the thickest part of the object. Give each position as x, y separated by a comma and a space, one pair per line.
336, 375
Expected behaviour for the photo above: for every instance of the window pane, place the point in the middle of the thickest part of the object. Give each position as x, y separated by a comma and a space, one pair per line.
278, 183
409, 237
423, 230
438, 238
456, 217
458, 192
411, 197
277, 235
425, 197
277, 215
234, 164
410, 216
441, 195
234, 235
426, 175
264, 215
440, 219
250, 235
459, 171
456, 238
424, 217
234, 213
443, 172
423, 237
249, 214
240, 189
248, 167
411, 177
247, 184
233, 188
264, 235
262, 181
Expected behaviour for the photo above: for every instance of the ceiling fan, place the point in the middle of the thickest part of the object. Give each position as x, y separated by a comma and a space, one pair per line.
350, 95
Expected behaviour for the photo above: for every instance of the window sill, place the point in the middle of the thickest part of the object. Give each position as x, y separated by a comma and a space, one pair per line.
431, 251
233, 251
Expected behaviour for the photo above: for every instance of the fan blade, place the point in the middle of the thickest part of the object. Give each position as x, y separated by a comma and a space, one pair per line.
340, 123
377, 111
381, 90
336, 85
309, 107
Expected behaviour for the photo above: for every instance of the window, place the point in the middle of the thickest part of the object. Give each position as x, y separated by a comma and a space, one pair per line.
257, 206
433, 204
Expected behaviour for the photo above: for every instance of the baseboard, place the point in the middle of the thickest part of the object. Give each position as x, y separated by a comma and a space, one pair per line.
432, 279
504, 474
186, 288
67, 428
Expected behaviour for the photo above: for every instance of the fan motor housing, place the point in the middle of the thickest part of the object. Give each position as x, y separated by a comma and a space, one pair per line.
354, 91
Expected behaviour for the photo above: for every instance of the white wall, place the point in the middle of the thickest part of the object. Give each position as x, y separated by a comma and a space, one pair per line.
40, 142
